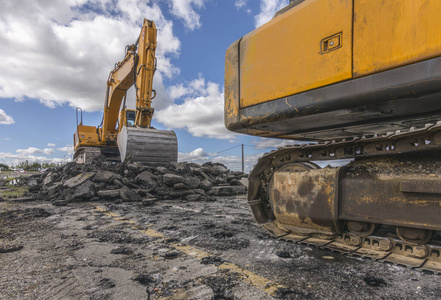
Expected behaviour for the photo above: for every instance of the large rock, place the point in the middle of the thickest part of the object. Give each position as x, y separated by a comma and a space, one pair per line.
179, 186
240, 190
220, 180
54, 188
228, 190
162, 170
85, 191
33, 185
104, 176
78, 180
235, 182
172, 179
129, 195
106, 194
214, 169
49, 179
167, 193
206, 185
146, 179
222, 191
192, 182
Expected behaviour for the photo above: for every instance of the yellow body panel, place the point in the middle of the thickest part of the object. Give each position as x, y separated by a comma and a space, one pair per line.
392, 33
287, 56
86, 136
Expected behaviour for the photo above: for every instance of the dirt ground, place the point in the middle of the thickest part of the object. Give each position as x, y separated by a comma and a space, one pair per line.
178, 249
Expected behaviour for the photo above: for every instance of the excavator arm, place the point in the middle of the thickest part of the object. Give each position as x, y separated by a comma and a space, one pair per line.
136, 69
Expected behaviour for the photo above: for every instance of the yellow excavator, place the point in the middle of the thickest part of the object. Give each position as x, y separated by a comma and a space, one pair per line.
125, 132
359, 81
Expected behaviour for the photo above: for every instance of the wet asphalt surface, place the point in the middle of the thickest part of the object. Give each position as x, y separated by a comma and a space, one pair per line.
178, 249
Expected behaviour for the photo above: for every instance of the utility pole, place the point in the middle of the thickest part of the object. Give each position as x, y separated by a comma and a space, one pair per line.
243, 169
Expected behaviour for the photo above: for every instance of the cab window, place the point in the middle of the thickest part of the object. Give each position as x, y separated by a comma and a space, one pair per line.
130, 117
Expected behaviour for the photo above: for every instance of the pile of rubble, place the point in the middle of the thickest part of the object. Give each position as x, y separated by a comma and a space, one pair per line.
130, 181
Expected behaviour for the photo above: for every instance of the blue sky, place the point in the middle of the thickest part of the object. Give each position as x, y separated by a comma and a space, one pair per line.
57, 54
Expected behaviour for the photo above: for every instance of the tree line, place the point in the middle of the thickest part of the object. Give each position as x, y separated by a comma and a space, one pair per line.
28, 166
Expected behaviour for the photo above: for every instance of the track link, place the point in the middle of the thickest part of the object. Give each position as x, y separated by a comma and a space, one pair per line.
388, 249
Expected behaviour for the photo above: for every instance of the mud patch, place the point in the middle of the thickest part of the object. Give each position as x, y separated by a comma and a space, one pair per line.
283, 254
222, 286
222, 245
107, 283
145, 279
212, 260
5, 248
291, 294
374, 281
172, 255
29, 213
117, 237
122, 250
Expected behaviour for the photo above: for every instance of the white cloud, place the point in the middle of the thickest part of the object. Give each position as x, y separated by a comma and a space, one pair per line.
267, 10
69, 149
177, 91
265, 143
15, 159
32, 154
240, 3
48, 151
198, 155
5, 119
51, 145
73, 47
30, 150
185, 10
234, 163
201, 113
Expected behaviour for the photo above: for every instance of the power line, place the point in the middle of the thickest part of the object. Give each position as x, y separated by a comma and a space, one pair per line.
259, 147
227, 149
244, 145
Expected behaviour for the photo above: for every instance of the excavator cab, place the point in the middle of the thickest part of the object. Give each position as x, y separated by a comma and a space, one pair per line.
130, 118
127, 118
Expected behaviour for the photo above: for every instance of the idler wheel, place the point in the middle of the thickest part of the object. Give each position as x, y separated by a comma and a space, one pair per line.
362, 229
414, 236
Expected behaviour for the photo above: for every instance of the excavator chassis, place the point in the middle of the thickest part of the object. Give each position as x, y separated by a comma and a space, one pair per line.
384, 205
86, 154
143, 145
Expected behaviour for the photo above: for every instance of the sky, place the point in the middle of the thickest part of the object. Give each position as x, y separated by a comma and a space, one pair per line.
56, 55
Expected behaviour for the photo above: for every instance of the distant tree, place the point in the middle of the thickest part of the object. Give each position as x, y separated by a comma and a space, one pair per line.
34, 167
48, 165
4, 167
21, 165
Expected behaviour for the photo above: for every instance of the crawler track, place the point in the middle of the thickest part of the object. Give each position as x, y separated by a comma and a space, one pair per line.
388, 248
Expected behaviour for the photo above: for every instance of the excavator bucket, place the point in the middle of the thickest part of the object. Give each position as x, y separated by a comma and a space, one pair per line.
147, 145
